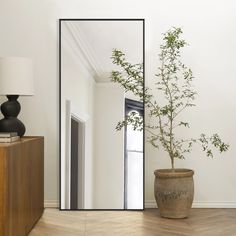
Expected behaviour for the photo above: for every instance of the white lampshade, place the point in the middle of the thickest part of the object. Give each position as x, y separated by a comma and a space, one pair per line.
16, 76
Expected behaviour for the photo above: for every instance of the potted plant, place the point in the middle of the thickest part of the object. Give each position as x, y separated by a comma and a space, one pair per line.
173, 187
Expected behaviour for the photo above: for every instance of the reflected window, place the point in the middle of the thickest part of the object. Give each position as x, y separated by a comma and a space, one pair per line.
133, 159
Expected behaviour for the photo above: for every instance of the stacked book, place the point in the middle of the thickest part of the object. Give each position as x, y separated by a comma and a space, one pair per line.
6, 137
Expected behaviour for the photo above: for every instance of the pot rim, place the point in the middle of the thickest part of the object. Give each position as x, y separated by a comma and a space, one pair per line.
173, 173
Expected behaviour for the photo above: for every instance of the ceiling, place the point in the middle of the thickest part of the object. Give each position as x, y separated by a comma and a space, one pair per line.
100, 37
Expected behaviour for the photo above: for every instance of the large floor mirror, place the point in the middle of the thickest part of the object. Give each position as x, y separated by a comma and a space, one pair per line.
100, 167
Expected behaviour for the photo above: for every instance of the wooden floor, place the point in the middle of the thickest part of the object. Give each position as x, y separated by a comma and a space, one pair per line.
202, 222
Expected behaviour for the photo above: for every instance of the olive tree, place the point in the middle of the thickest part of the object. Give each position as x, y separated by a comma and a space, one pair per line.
176, 93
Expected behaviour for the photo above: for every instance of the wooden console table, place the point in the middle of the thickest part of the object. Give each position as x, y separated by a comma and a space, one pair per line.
21, 185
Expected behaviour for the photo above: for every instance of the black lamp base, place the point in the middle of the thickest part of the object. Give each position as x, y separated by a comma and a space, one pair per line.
11, 109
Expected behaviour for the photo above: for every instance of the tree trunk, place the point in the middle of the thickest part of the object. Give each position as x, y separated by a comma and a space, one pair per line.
172, 163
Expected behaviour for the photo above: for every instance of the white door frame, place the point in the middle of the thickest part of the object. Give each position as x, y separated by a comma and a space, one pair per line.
72, 112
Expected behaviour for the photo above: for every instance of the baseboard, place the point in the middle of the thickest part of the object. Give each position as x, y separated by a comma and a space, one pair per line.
214, 205
152, 204
51, 204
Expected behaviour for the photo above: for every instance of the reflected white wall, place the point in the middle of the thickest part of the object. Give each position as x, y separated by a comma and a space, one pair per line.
77, 85
109, 147
103, 103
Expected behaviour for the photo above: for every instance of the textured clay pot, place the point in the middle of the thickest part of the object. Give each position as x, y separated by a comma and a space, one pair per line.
174, 192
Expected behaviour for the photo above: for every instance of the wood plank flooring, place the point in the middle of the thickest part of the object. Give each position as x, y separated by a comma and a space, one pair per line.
202, 222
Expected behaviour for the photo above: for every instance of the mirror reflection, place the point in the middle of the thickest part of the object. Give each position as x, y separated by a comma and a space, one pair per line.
101, 167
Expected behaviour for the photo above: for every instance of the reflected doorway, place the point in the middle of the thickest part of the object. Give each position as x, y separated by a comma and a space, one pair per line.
76, 165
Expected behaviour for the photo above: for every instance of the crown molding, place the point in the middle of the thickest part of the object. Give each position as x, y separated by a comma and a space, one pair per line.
69, 45
81, 49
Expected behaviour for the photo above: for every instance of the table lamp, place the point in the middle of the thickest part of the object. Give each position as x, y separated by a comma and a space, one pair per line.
16, 79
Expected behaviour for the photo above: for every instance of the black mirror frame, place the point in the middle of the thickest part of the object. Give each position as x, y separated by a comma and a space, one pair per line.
102, 19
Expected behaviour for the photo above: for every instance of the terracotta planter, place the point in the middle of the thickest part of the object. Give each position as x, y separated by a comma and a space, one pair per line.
174, 192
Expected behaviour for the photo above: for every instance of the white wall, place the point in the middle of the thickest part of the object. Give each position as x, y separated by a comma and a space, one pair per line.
30, 28
208, 27
108, 147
